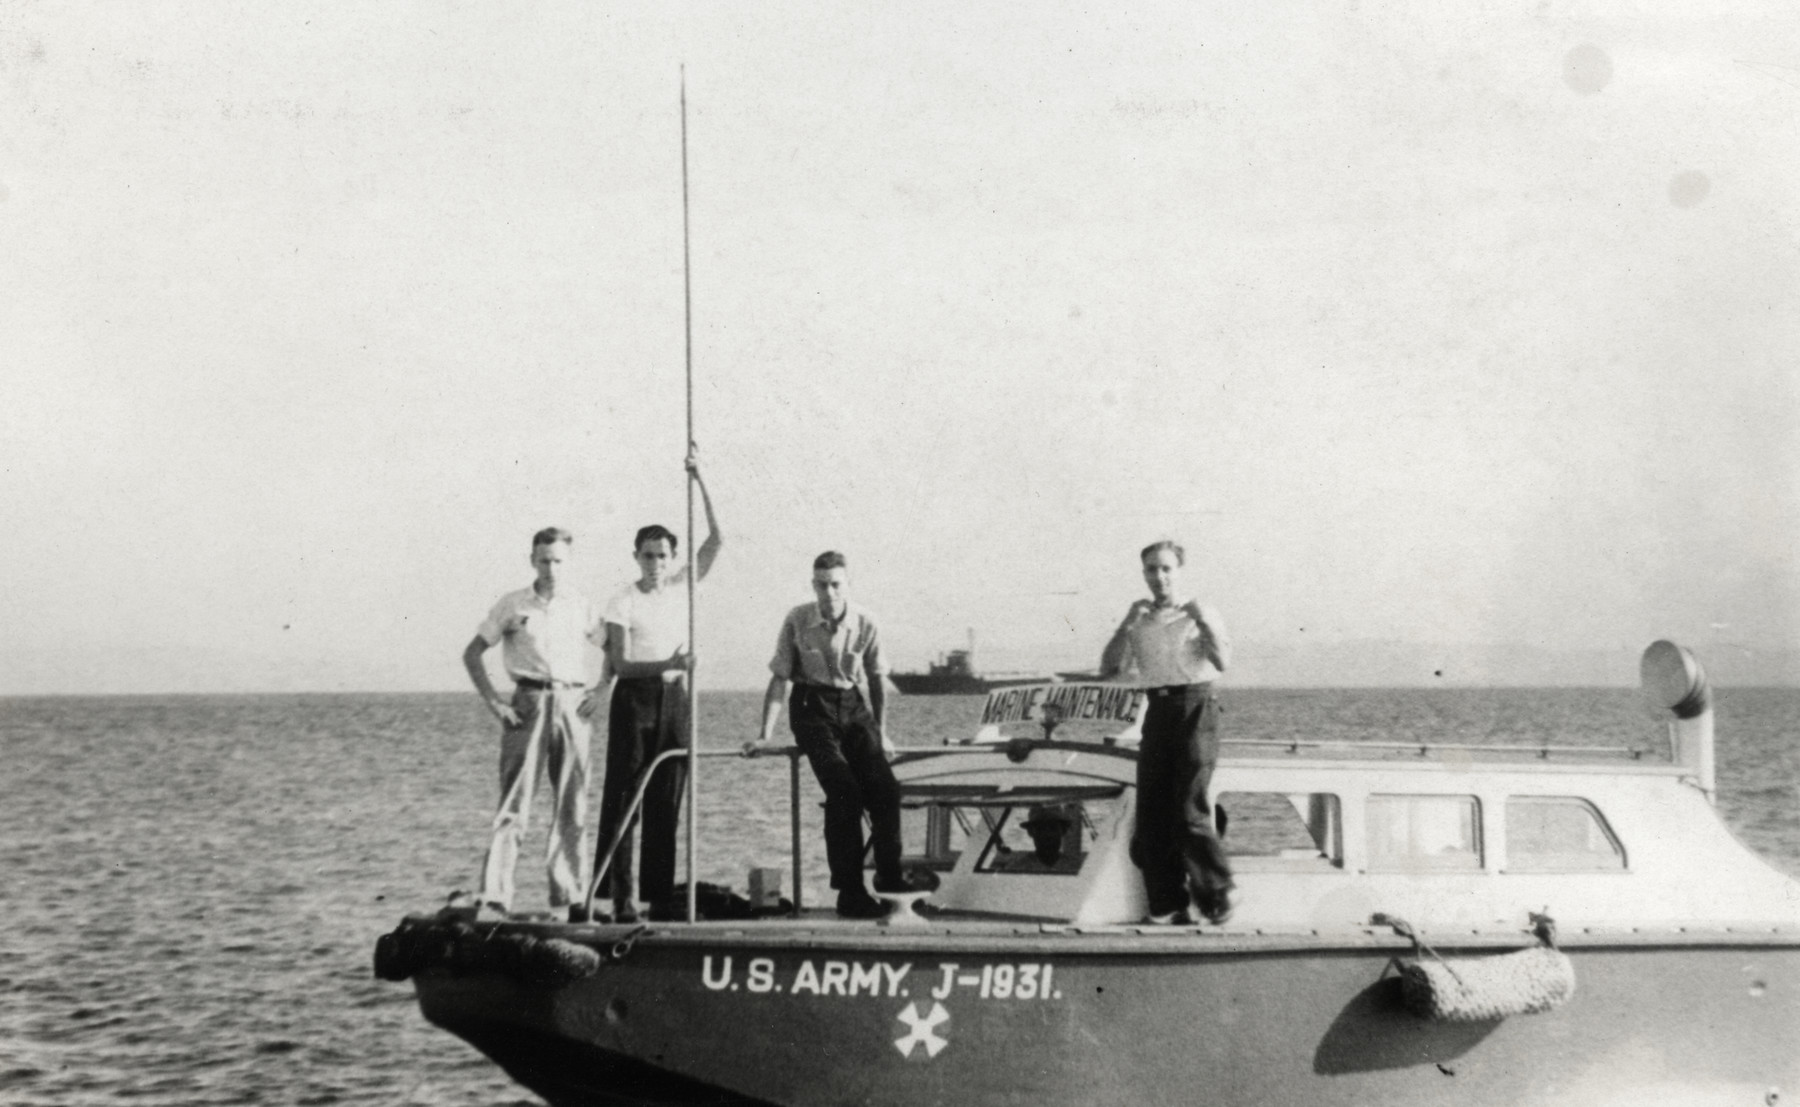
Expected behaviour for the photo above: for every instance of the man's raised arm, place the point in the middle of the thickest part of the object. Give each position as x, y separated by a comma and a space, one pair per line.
715, 539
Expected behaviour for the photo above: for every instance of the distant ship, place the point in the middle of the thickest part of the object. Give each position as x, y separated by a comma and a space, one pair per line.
954, 674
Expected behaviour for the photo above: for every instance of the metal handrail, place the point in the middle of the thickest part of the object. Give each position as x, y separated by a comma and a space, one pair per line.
1295, 745
627, 822
1542, 749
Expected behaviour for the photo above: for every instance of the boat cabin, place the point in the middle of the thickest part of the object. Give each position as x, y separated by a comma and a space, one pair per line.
1031, 818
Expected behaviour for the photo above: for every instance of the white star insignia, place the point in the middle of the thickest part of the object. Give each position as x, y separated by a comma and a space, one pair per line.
922, 1030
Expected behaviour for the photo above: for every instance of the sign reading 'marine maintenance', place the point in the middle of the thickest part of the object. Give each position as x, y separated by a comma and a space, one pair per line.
1099, 702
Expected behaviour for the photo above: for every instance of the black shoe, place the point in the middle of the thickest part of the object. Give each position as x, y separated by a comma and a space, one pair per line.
860, 905
584, 913
1216, 907
913, 880
625, 911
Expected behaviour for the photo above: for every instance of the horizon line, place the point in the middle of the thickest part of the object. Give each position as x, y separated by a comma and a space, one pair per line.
747, 690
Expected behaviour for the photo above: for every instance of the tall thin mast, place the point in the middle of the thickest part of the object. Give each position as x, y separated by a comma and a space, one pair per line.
693, 576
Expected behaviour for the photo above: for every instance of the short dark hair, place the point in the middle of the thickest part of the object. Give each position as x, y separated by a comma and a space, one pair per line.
549, 536
830, 559
1169, 544
651, 533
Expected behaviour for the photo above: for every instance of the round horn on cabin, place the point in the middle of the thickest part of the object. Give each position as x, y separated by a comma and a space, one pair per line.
1674, 681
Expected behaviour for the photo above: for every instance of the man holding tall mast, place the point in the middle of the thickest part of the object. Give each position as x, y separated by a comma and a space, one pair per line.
647, 649
545, 630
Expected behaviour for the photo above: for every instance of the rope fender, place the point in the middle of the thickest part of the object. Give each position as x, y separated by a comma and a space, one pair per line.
1482, 989
453, 944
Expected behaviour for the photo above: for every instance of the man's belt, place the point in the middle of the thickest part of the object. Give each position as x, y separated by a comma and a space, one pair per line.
533, 684
1176, 689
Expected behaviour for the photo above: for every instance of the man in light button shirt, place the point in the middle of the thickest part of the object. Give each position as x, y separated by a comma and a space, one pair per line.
1174, 648
830, 652
544, 632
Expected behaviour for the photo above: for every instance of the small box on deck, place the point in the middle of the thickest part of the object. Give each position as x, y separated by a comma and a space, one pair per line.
765, 887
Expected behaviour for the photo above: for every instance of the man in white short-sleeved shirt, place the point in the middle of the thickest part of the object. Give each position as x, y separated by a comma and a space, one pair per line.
647, 649
544, 632
1175, 648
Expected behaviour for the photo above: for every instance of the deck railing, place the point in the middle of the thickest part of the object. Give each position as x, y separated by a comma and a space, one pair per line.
1424, 749
1543, 750
628, 821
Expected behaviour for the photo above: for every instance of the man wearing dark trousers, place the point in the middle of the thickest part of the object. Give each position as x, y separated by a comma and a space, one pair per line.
829, 654
647, 649
1175, 648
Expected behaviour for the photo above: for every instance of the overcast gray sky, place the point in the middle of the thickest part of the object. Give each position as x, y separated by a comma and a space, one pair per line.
1420, 323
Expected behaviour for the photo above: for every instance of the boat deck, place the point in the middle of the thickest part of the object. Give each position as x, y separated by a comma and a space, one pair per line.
821, 928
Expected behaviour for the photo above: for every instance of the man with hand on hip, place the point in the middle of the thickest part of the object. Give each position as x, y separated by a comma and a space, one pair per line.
544, 631
829, 654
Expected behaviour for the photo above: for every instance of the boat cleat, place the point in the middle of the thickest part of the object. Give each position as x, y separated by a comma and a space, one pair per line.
902, 908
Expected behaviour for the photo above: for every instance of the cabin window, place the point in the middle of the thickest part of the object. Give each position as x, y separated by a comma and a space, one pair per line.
935, 835
1559, 834
1046, 830
1424, 833
1281, 830
1047, 839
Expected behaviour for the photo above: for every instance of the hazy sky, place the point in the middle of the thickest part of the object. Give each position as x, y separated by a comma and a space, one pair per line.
1417, 322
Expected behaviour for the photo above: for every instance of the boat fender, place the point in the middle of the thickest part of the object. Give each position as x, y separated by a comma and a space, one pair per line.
467, 950
1482, 989
453, 944
395, 956
554, 962
412, 946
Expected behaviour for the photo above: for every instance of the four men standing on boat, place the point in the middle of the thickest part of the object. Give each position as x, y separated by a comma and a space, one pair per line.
829, 666
1175, 647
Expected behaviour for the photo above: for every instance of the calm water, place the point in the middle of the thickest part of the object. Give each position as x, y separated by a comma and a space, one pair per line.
193, 885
